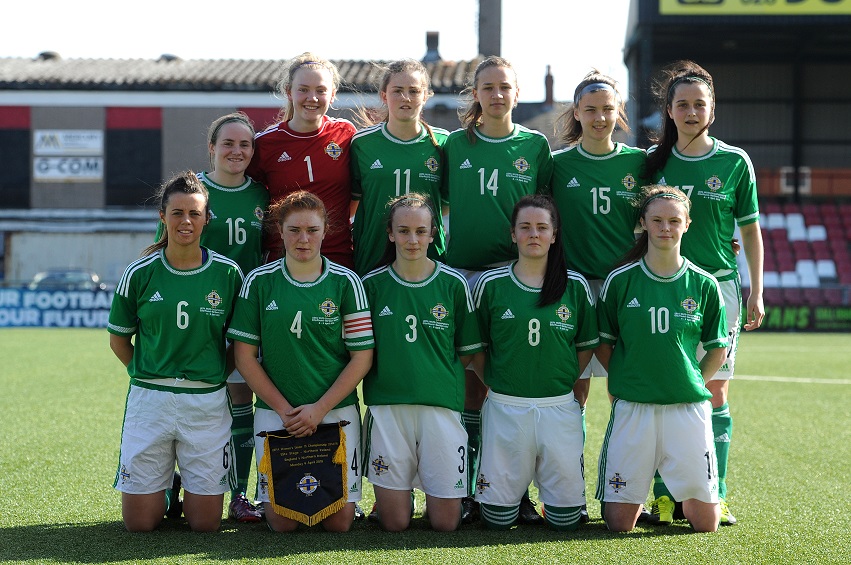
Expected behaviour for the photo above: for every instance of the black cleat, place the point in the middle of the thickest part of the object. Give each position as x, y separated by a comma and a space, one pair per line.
469, 510
175, 509
528, 515
359, 513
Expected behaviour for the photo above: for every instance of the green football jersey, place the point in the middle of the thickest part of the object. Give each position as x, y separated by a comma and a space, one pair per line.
532, 349
655, 324
384, 167
305, 330
483, 182
722, 189
595, 195
420, 330
236, 223
179, 317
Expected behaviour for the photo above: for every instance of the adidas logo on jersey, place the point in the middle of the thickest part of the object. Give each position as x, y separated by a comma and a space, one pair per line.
723, 438
354, 488
662, 181
272, 306
284, 157
459, 484
466, 164
386, 312
633, 303
157, 297
508, 315
573, 183
376, 165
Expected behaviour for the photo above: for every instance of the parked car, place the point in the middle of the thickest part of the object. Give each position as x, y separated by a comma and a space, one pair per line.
67, 279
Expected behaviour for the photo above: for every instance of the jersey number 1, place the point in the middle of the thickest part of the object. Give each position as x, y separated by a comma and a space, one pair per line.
236, 233
491, 183
399, 173
601, 201
659, 320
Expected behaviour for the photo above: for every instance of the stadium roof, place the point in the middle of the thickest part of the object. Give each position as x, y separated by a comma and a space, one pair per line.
49, 71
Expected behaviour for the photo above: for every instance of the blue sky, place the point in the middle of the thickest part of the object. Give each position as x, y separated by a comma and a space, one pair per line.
571, 36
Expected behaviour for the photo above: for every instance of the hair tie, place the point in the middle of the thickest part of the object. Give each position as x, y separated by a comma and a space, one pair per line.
594, 87
688, 78
671, 195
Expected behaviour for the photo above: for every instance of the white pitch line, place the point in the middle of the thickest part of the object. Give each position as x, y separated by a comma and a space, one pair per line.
793, 380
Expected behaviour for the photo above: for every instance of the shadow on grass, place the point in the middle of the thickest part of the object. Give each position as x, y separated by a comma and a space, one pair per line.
109, 541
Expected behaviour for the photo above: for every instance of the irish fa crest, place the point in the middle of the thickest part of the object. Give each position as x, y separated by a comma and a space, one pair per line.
432, 164
379, 466
333, 150
689, 305
714, 183
328, 307
564, 313
617, 483
629, 181
522, 165
258, 213
308, 484
482, 483
214, 299
439, 312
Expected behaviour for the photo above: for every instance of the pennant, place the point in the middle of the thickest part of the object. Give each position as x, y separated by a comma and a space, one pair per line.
307, 475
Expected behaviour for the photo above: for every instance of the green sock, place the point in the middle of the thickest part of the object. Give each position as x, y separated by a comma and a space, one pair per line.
659, 488
472, 422
562, 518
499, 517
170, 495
722, 429
242, 431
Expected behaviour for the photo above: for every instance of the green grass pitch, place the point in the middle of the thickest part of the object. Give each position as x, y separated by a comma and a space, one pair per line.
61, 408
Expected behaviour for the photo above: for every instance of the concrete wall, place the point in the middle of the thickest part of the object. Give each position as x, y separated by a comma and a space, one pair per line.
107, 254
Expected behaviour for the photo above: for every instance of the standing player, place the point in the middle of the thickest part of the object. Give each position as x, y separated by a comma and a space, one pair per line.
312, 319
237, 208
539, 326
595, 183
399, 155
490, 164
307, 150
425, 333
654, 310
720, 181
177, 301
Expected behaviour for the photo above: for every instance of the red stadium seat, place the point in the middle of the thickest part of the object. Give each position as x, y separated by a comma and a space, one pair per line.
772, 296
833, 296
801, 250
813, 296
778, 235
793, 296
791, 208
770, 208
828, 209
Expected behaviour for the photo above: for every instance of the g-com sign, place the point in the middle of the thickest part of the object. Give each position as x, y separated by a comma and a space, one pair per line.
68, 168
68, 155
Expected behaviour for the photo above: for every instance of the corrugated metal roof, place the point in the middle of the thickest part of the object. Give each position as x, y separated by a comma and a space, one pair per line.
168, 73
